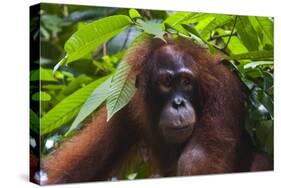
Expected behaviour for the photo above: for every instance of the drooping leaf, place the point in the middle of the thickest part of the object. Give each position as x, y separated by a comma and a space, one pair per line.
41, 96
134, 14
153, 28
61, 62
264, 28
247, 33
74, 85
132, 176
266, 101
191, 29
34, 121
94, 34
235, 45
218, 21
97, 97
254, 55
122, 89
177, 18
257, 63
43, 75
268, 82
67, 108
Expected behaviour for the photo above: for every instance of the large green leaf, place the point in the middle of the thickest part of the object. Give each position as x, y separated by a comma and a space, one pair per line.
264, 28
41, 96
67, 108
34, 121
152, 28
247, 33
134, 14
43, 75
234, 43
218, 21
122, 89
257, 63
258, 55
94, 34
266, 101
97, 97
177, 18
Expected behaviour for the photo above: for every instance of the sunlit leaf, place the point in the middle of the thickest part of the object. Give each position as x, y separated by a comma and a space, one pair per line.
122, 89
43, 75
247, 33
41, 96
34, 121
97, 97
218, 21
257, 63
68, 108
134, 14
254, 55
264, 28
94, 34
153, 28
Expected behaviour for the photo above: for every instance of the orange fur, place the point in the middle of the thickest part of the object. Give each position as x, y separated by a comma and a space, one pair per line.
219, 143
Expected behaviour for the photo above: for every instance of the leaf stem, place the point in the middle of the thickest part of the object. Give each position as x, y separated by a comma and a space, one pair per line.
232, 30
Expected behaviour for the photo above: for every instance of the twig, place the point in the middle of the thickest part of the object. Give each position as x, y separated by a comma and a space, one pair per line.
104, 51
230, 33
126, 39
221, 36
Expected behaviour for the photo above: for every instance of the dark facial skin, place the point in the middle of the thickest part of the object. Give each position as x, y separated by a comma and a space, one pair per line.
174, 87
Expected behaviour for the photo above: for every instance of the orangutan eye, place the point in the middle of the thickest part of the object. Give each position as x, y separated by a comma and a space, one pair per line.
165, 81
186, 82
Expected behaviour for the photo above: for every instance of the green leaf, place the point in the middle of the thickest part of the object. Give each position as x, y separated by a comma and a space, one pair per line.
41, 96
218, 21
195, 35
247, 33
264, 28
94, 34
176, 21
268, 82
191, 29
178, 18
72, 86
266, 101
97, 97
122, 89
134, 14
132, 176
153, 28
67, 108
34, 121
43, 75
258, 55
257, 63
61, 62
203, 23
235, 45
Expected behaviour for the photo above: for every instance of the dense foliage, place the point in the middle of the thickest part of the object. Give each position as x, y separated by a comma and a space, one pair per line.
81, 65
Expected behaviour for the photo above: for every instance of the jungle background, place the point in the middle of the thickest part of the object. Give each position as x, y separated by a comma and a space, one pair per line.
246, 41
